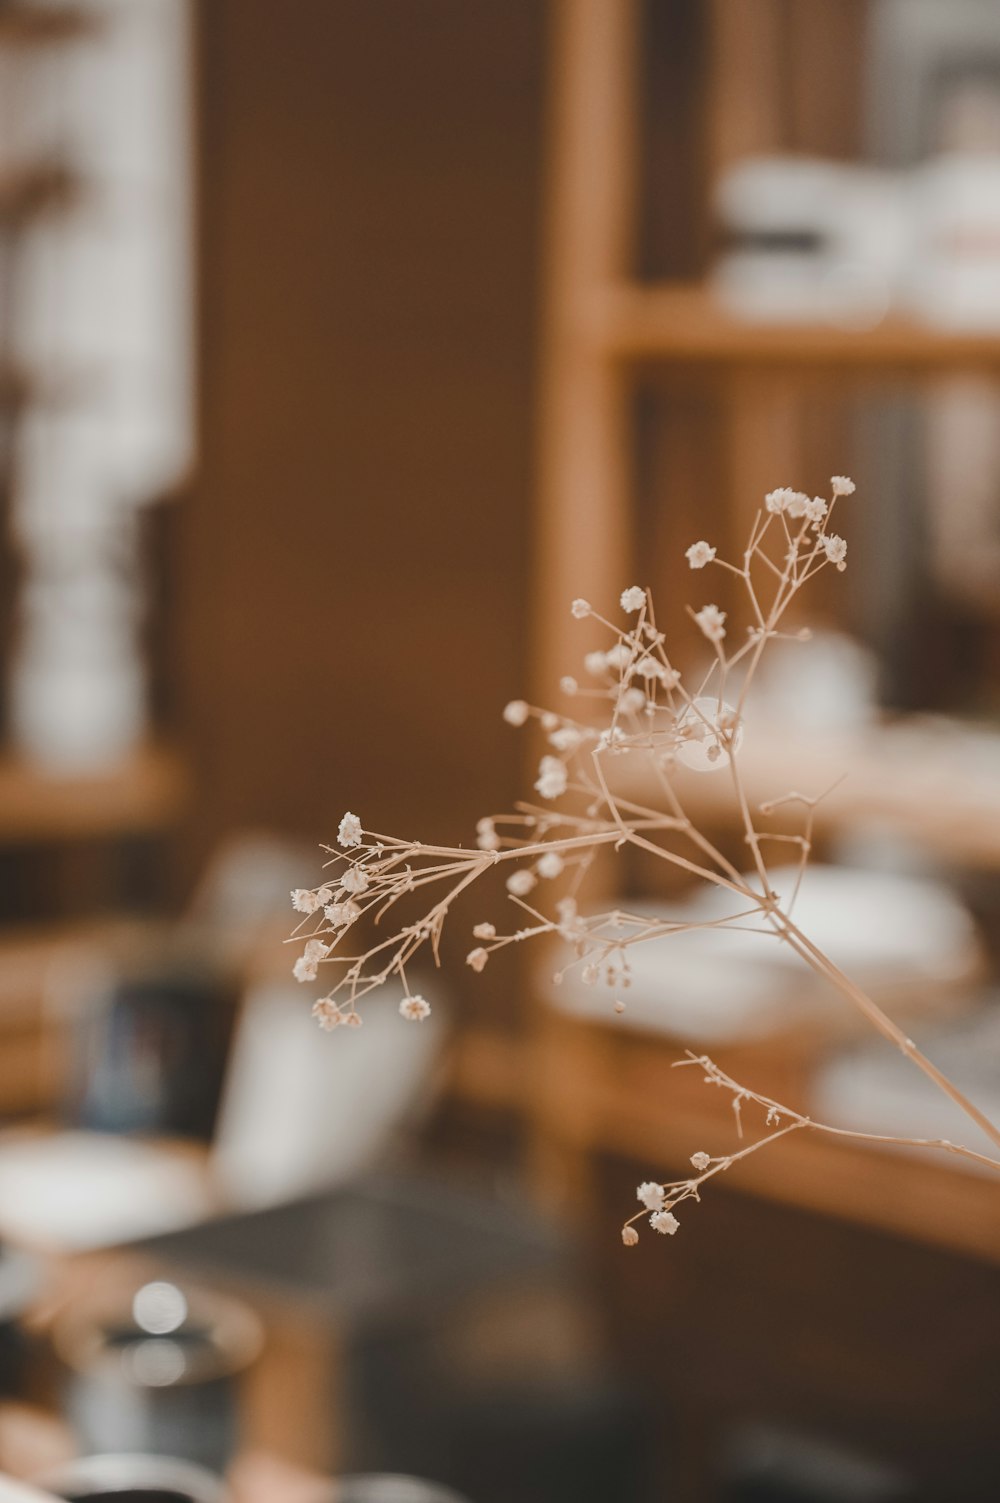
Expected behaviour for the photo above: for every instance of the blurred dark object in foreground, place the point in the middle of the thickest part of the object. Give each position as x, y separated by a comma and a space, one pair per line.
395, 1267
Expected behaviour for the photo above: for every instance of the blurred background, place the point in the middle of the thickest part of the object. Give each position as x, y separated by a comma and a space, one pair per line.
342, 344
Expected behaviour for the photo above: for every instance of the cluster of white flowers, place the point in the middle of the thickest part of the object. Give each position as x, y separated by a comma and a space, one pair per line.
633, 599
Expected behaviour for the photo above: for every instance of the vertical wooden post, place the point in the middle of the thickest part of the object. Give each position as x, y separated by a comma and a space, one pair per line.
582, 534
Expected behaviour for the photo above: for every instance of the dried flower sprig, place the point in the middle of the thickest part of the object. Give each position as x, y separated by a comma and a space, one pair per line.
651, 714
659, 1200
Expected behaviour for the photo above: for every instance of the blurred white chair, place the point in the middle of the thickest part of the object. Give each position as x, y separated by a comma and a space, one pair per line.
301, 1111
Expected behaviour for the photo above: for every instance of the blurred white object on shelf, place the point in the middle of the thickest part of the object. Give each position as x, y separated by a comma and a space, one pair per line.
875, 1089
810, 240
900, 938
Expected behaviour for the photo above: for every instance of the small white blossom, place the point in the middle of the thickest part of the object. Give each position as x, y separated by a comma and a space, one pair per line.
797, 503
566, 738
651, 668
632, 701
619, 1005
521, 882
485, 931
618, 656
633, 599
487, 838
568, 684
350, 830
566, 909
700, 1161
613, 738
629, 1236
414, 1009
777, 501
341, 914
596, 663
816, 510
516, 713
550, 865
354, 880
352, 1020
712, 622
590, 975
580, 608
316, 950
549, 721
835, 549
304, 900
842, 486
304, 969
552, 778
326, 1013
650, 1195
477, 958
664, 1222
700, 554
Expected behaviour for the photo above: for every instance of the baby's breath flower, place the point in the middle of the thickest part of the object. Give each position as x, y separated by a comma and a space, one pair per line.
516, 712
352, 1020
835, 549
590, 975
629, 1236
632, 701
487, 838
304, 900
619, 1005
550, 865
350, 831
341, 914
521, 882
568, 684
304, 969
842, 486
596, 663
664, 1222
354, 880
477, 958
315, 950
797, 503
777, 500
816, 510
618, 656
550, 721
552, 778
650, 1195
633, 599
565, 738
700, 1161
414, 1009
567, 909
326, 1013
580, 608
712, 622
700, 554
485, 931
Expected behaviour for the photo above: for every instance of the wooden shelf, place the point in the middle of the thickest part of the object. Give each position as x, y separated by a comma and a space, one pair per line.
143, 794
938, 785
685, 325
